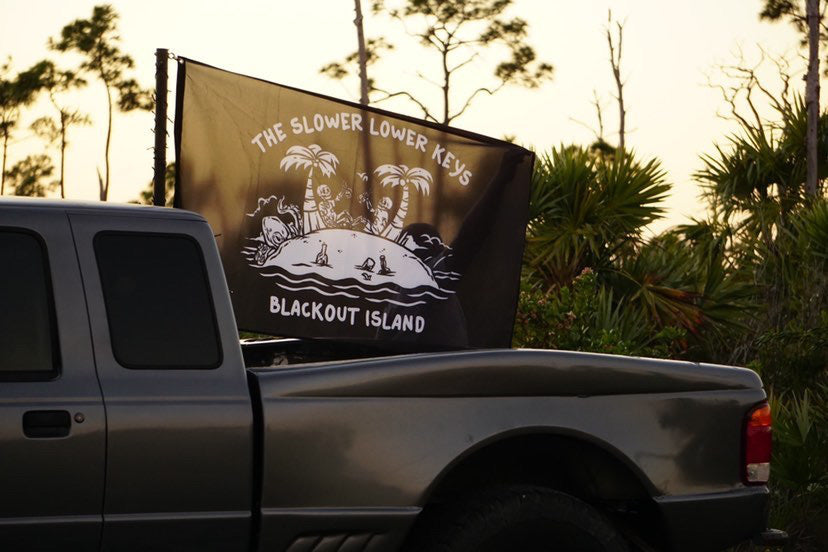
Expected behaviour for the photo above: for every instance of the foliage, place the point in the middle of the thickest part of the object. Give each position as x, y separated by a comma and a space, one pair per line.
685, 284
800, 467
588, 211
585, 209
97, 40
55, 131
776, 236
760, 173
793, 358
585, 317
15, 93
26, 177
458, 31
147, 195
795, 13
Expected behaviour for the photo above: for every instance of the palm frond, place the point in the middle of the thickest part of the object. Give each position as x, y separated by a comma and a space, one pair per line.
310, 156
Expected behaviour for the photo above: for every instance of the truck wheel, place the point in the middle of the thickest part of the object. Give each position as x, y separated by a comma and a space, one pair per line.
520, 518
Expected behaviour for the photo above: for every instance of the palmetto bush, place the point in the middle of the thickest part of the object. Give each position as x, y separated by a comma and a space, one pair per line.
758, 175
778, 237
800, 467
799, 472
678, 282
588, 212
585, 316
585, 209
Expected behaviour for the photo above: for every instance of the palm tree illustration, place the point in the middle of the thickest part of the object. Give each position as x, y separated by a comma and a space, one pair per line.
304, 158
401, 175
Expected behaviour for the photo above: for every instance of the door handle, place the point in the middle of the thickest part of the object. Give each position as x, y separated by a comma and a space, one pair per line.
45, 424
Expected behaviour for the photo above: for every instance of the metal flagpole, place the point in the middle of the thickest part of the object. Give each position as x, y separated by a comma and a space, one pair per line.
159, 177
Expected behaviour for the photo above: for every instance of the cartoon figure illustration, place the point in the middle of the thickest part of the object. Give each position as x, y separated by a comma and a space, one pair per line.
401, 175
310, 157
384, 270
277, 229
405, 263
379, 216
327, 208
322, 256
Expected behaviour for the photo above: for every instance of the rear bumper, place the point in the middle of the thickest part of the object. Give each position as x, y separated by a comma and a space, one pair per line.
714, 521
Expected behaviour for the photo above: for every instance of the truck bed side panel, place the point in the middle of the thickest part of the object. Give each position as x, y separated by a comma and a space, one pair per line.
383, 451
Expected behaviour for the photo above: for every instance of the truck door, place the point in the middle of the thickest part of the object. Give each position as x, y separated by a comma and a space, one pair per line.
52, 425
180, 432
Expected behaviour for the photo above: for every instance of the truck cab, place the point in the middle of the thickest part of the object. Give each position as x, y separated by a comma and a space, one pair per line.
122, 368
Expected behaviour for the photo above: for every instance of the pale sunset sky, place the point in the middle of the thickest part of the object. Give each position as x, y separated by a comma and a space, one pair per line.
670, 49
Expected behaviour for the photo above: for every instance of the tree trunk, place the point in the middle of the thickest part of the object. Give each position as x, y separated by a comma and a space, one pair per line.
3, 171
447, 75
105, 187
363, 61
393, 230
310, 213
363, 99
812, 98
438, 189
62, 151
615, 62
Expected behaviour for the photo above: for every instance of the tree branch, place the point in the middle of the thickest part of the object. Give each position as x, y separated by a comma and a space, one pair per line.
615, 63
597, 103
388, 95
428, 80
472, 96
459, 65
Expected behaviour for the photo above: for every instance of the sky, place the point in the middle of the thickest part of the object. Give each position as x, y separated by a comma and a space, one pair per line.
671, 51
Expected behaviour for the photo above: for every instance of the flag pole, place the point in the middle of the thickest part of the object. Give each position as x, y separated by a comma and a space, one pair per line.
160, 169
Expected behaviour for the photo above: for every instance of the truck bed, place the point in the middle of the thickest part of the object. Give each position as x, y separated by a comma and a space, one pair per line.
373, 441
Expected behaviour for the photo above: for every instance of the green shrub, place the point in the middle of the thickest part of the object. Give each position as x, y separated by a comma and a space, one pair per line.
584, 317
793, 359
799, 469
799, 478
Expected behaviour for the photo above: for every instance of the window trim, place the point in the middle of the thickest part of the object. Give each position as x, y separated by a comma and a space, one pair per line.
206, 273
57, 365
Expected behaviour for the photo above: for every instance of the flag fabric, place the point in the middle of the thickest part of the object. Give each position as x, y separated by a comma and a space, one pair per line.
340, 221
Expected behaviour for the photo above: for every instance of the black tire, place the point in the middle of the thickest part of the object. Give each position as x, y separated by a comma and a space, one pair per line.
515, 519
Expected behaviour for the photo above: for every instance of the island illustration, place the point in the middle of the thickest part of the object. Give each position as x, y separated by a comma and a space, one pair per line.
324, 248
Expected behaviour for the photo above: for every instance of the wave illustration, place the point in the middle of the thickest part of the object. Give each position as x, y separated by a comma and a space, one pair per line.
384, 288
385, 292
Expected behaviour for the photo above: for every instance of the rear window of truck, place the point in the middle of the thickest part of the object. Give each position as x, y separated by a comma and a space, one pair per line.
28, 336
158, 301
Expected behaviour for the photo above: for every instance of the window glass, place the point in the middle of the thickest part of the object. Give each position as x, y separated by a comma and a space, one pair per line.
158, 301
28, 340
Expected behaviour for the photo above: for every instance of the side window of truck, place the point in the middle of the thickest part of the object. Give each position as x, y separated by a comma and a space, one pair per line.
158, 301
28, 330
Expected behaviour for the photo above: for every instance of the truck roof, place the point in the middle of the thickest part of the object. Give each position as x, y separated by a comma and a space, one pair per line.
96, 208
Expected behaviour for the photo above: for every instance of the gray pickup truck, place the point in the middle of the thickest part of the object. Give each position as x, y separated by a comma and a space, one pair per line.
132, 419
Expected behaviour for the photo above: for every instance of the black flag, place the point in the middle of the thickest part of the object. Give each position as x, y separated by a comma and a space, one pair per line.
339, 221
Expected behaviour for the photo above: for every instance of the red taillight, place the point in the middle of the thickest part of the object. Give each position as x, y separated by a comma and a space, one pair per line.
758, 445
